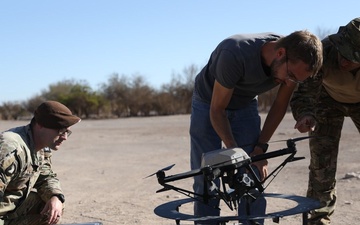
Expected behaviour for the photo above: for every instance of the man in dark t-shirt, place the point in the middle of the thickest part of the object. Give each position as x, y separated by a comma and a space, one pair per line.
224, 104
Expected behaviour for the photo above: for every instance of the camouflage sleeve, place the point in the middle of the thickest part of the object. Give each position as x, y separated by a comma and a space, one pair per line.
8, 168
47, 184
304, 99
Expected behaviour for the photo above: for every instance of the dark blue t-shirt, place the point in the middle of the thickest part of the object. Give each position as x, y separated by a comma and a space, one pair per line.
236, 63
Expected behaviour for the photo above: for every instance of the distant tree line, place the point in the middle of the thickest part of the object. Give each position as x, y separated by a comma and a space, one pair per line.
124, 96
120, 96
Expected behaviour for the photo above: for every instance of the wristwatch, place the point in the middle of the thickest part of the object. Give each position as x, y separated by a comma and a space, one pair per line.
263, 146
61, 197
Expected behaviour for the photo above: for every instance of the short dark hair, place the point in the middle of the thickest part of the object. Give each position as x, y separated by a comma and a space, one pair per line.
304, 46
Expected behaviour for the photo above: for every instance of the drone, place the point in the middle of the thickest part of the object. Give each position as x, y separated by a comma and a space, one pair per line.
227, 166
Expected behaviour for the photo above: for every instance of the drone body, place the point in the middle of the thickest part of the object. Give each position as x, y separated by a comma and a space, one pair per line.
228, 166
225, 157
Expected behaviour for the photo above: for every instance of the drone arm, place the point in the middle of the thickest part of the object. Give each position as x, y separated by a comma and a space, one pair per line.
180, 190
273, 154
290, 158
182, 175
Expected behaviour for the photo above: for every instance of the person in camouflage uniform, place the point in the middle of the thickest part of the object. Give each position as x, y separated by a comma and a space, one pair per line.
30, 192
320, 105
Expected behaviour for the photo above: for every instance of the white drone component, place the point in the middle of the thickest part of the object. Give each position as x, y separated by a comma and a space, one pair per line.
225, 157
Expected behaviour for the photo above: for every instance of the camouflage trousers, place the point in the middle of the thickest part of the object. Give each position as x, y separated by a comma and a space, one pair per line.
28, 213
330, 116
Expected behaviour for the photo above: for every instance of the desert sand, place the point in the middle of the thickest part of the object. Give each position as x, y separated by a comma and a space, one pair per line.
103, 164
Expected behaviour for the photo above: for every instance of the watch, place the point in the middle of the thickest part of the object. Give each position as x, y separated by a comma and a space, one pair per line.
61, 197
263, 146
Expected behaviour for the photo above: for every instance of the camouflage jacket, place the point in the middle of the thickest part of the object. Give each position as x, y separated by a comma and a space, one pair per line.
341, 86
22, 169
304, 99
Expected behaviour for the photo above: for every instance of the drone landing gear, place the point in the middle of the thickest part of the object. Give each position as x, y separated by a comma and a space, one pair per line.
170, 210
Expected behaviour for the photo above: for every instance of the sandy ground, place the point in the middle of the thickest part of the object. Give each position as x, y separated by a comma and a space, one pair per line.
103, 165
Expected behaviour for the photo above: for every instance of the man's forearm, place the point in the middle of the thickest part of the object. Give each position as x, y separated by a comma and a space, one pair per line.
222, 127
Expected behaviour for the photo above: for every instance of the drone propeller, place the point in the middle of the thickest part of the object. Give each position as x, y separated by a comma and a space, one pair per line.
163, 169
295, 139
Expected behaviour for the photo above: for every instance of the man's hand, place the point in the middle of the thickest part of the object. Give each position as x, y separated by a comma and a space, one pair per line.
262, 165
53, 210
305, 124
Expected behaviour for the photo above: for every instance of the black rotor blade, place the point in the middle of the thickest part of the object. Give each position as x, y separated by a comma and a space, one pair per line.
163, 169
295, 139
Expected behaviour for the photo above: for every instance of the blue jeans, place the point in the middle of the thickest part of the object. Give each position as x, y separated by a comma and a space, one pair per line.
245, 125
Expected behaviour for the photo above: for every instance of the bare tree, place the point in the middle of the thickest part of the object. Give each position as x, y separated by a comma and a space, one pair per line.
116, 91
13, 111
323, 32
141, 97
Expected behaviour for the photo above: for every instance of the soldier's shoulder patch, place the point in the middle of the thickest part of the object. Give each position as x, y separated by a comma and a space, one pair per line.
10, 170
8, 163
47, 152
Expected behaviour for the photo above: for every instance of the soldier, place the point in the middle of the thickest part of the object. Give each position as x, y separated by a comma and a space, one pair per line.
319, 107
30, 192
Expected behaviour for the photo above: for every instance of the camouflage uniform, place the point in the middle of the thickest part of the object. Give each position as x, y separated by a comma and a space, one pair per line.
26, 178
328, 97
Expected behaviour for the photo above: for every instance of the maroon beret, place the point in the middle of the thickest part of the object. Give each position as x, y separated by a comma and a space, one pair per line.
54, 115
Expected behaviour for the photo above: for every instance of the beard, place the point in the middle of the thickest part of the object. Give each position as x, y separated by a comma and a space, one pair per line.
274, 70
274, 66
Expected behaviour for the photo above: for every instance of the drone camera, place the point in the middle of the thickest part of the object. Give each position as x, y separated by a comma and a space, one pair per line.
245, 180
242, 180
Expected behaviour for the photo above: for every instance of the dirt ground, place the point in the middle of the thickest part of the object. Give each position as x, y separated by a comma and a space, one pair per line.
103, 164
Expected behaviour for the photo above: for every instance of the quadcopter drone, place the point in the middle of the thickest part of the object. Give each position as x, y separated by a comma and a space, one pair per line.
227, 166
